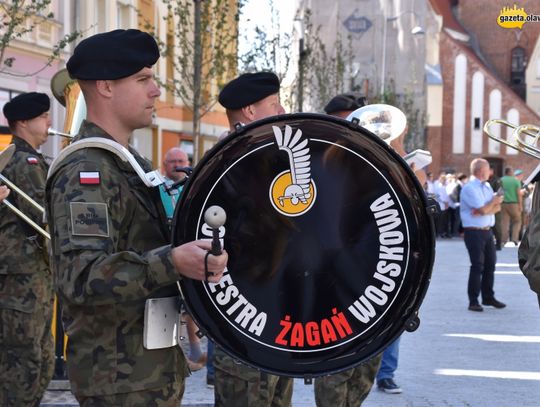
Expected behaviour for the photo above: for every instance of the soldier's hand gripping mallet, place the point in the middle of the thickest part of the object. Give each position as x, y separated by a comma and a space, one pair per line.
214, 217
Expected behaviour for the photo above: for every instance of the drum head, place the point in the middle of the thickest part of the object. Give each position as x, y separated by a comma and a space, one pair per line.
330, 244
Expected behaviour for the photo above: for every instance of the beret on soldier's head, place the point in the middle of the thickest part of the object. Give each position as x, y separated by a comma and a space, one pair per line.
113, 55
345, 102
247, 89
26, 106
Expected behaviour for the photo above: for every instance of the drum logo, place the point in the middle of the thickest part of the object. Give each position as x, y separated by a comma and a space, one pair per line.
293, 192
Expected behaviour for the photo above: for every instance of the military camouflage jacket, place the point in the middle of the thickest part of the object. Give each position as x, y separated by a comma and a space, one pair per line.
529, 249
25, 278
110, 253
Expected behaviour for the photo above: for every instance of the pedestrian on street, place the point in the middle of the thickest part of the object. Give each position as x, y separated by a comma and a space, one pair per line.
247, 98
511, 207
110, 240
389, 365
26, 283
478, 205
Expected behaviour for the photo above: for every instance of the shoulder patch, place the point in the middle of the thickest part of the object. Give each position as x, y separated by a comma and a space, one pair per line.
32, 160
89, 178
89, 219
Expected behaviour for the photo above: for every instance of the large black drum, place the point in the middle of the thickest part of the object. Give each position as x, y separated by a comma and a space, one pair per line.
330, 244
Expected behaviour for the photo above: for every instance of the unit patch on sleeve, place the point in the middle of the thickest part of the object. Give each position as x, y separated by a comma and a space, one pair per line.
89, 178
89, 219
32, 160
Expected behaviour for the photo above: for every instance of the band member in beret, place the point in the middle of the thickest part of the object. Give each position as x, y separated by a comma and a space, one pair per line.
26, 283
250, 97
110, 240
344, 104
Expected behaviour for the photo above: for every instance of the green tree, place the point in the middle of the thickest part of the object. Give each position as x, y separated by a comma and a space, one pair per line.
19, 17
268, 46
201, 50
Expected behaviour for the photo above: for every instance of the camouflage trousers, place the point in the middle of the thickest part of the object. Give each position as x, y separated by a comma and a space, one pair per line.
167, 396
26, 356
348, 388
239, 385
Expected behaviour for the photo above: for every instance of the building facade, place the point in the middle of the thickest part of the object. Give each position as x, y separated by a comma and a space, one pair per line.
480, 81
172, 125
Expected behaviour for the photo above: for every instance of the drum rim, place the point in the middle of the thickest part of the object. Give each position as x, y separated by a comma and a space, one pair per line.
427, 214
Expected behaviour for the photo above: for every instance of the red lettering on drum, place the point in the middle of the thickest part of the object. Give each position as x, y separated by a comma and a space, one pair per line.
328, 330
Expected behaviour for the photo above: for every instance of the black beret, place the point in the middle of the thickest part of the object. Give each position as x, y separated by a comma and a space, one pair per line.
113, 55
247, 89
26, 106
345, 101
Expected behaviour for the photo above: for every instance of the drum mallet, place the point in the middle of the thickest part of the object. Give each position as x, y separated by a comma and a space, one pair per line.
215, 217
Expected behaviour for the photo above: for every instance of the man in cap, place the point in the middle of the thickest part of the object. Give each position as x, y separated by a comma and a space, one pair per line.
344, 104
250, 97
26, 283
110, 241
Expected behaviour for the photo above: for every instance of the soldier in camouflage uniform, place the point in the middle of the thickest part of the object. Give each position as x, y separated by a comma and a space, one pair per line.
26, 283
349, 387
110, 240
248, 98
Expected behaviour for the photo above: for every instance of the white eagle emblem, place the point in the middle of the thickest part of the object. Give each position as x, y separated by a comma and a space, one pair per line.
299, 160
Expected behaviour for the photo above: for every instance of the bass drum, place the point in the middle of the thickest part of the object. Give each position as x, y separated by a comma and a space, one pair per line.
329, 238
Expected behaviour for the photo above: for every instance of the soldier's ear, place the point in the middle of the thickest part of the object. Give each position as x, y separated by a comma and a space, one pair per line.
249, 112
104, 88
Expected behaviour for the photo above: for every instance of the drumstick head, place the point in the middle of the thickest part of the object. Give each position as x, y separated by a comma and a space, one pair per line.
6, 155
215, 217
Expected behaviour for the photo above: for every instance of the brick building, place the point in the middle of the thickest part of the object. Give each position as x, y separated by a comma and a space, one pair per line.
486, 72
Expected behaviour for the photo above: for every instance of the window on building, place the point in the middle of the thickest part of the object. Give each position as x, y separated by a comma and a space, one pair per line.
476, 123
101, 15
122, 14
517, 75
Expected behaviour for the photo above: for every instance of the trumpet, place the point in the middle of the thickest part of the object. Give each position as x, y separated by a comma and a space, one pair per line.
5, 156
518, 139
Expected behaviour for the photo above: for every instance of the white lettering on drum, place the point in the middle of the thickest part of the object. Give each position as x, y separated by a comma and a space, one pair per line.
390, 253
229, 299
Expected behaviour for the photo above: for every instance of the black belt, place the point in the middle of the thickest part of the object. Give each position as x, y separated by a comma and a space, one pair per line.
474, 228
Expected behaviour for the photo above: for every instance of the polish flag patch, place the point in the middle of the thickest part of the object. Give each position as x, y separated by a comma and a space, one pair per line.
32, 160
89, 177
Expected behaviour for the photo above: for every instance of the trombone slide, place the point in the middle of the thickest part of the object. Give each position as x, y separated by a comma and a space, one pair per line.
38, 228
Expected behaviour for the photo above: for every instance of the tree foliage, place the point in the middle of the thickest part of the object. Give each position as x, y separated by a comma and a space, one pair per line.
20, 17
201, 49
269, 46
218, 56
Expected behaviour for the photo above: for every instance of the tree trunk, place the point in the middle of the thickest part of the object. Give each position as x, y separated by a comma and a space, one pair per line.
197, 73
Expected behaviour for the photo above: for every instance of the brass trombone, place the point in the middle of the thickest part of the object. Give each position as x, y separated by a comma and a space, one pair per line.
518, 140
5, 156
68, 94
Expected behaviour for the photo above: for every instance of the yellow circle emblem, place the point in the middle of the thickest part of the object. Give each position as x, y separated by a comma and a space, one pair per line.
291, 199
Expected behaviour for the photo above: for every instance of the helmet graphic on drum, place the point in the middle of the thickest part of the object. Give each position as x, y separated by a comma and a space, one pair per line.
293, 192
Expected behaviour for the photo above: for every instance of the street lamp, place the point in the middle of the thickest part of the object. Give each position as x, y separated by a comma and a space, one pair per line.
416, 30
